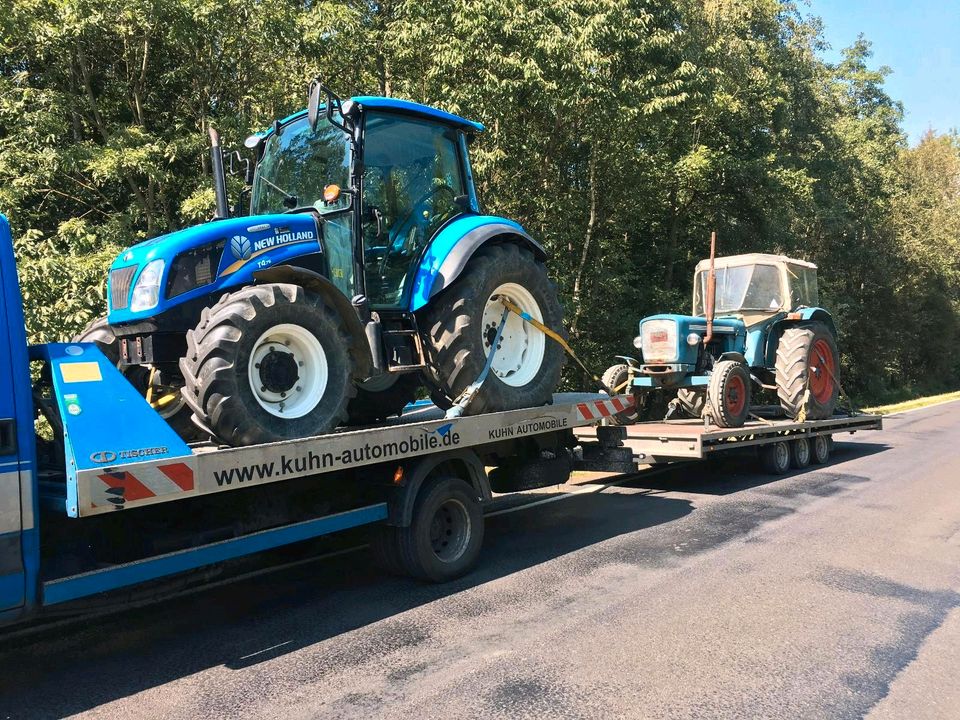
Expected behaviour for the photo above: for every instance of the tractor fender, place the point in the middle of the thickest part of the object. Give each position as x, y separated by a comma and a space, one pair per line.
463, 464
451, 249
735, 356
806, 316
320, 285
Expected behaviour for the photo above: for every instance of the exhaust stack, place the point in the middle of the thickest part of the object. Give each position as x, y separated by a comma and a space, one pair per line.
219, 177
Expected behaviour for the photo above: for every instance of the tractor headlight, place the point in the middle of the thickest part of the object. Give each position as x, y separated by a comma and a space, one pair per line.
638, 342
693, 339
146, 293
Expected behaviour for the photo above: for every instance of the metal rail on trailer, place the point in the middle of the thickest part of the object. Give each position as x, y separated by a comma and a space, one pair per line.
688, 439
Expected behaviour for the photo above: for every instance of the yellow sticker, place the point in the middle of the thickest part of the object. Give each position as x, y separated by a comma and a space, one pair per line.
81, 372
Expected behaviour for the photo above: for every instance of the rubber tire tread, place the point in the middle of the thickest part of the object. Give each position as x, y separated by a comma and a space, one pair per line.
792, 371
454, 338
215, 367
613, 377
715, 393
693, 402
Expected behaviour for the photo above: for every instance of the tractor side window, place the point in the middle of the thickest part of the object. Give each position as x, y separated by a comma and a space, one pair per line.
803, 286
412, 178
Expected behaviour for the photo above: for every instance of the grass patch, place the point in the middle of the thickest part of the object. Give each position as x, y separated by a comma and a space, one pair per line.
913, 404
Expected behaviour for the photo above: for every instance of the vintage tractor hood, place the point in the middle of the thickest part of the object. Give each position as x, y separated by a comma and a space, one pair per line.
231, 249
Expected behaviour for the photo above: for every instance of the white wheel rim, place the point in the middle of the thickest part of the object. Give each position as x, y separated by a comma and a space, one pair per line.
301, 397
803, 451
520, 354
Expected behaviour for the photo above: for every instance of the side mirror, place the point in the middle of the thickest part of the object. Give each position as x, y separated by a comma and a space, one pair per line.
313, 103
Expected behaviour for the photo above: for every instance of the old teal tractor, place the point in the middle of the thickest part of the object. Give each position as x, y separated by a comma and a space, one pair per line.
755, 325
358, 269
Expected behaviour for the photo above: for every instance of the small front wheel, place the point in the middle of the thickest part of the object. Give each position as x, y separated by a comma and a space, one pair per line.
444, 537
728, 394
616, 379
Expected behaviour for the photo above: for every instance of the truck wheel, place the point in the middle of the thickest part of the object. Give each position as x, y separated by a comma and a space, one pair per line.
775, 458
807, 369
692, 401
615, 378
461, 323
800, 453
728, 393
820, 449
175, 412
444, 537
382, 397
268, 363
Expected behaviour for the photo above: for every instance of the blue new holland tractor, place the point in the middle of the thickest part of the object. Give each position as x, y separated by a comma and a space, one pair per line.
755, 324
362, 270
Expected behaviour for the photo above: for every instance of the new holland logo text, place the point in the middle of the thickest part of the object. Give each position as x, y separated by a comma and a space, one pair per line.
283, 238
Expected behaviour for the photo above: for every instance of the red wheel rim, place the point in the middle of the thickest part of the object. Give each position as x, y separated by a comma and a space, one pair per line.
822, 371
735, 395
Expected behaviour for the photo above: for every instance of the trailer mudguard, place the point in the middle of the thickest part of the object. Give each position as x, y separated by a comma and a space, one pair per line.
456, 463
451, 249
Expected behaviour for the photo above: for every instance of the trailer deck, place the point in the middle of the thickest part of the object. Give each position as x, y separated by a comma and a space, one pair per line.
689, 439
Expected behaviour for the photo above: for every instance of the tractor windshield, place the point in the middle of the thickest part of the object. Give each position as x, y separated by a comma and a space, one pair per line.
297, 164
744, 287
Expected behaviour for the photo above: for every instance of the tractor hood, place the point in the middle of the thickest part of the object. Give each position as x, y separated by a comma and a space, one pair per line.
166, 271
663, 338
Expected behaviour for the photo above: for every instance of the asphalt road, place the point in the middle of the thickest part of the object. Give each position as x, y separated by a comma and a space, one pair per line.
701, 593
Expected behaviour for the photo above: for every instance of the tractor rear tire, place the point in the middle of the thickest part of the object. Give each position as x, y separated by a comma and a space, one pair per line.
460, 324
692, 402
176, 413
614, 379
806, 383
264, 351
382, 397
728, 394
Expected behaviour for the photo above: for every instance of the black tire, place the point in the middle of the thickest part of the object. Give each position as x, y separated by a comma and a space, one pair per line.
775, 458
457, 343
445, 508
804, 391
177, 414
615, 379
819, 449
800, 453
219, 352
728, 394
392, 395
692, 402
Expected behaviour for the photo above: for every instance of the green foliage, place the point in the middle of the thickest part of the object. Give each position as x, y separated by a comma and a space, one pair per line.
619, 133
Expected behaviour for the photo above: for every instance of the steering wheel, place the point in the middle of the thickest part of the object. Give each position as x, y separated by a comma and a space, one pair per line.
417, 206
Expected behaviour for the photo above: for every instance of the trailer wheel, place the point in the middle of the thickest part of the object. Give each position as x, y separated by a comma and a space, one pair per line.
460, 325
775, 458
268, 363
444, 537
728, 394
800, 453
615, 378
820, 449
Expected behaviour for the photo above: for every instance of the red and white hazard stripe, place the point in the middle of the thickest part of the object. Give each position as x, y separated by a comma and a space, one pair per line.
599, 409
147, 482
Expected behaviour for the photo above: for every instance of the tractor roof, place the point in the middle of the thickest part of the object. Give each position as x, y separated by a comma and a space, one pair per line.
400, 106
751, 258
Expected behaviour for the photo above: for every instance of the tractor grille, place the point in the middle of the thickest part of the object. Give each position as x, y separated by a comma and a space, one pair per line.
120, 287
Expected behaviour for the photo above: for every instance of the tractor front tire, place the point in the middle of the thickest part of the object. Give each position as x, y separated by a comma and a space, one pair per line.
692, 402
460, 325
615, 379
268, 363
807, 369
728, 394
382, 397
